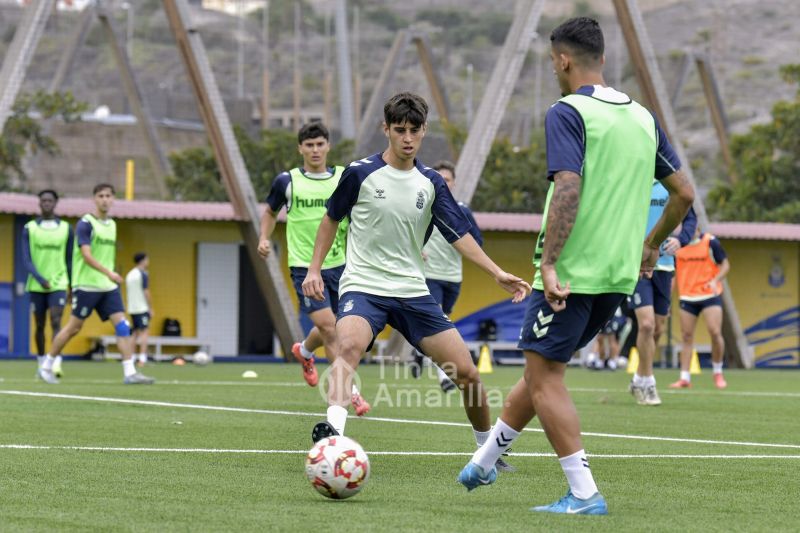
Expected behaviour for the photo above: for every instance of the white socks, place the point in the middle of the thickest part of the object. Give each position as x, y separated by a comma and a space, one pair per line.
337, 417
500, 438
717, 367
481, 436
354, 390
685, 375
305, 353
579, 476
140, 357
441, 374
644, 381
47, 363
128, 367
40, 360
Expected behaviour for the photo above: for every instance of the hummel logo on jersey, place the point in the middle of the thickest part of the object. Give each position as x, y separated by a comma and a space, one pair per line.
420, 199
348, 306
379, 194
360, 162
540, 327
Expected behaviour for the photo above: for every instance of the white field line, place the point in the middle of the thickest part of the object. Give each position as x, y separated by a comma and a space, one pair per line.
389, 453
373, 418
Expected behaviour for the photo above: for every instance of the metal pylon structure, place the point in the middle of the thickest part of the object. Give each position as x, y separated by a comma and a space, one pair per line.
495, 100
232, 168
26, 40
655, 95
373, 115
20, 53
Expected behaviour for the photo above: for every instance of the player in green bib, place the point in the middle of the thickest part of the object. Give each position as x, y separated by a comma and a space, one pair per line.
305, 191
47, 254
603, 150
95, 286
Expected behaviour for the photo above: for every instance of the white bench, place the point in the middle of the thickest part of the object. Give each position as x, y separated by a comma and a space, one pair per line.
104, 341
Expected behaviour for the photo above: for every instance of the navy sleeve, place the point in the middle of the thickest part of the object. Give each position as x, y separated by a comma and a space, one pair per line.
717, 251
564, 139
447, 215
84, 231
667, 161
474, 230
277, 193
145, 281
688, 226
27, 259
345, 196
70, 245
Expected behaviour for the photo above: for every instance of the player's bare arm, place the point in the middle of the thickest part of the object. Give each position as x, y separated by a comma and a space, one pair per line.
468, 247
86, 252
681, 197
313, 286
268, 220
560, 220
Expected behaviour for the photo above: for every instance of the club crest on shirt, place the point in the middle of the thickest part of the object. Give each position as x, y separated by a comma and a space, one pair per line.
420, 199
379, 194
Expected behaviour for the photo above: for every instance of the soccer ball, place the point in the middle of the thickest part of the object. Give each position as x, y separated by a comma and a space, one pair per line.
337, 467
201, 358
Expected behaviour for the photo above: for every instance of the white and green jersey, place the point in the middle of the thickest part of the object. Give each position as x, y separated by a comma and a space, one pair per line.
101, 236
443, 262
392, 213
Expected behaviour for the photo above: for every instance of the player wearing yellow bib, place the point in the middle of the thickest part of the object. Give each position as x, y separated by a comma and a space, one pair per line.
47, 254
95, 286
603, 150
305, 191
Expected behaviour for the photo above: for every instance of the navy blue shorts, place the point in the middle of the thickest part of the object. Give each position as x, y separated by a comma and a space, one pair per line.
696, 308
42, 301
557, 336
654, 291
105, 303
330, 277
140, 321
615, 325
444, 292
415, 318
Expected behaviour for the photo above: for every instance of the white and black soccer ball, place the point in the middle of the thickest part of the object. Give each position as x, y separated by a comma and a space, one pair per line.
337, 467
201, 358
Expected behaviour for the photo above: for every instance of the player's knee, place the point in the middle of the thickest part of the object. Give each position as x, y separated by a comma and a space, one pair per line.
349, 348
468, 376
647, 327
123, 329
327, 331
687, 337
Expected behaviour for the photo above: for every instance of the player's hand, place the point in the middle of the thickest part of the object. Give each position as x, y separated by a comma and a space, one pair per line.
313, 287
713, 286
46, 285
116, 278
516, 286
649, 259
264, 248
671, 246
554, 293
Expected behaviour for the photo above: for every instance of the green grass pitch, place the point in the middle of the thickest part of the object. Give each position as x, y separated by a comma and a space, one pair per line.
194, 477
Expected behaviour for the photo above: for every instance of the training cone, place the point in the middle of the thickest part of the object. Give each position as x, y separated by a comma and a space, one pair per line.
485, 361
633, 361
694, 364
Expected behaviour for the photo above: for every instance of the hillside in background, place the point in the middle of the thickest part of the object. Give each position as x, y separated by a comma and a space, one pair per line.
746, 40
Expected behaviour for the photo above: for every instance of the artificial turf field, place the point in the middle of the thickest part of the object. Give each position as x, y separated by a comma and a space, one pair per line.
67, 464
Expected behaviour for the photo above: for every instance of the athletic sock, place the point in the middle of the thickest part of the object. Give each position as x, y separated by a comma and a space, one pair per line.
500, 438
648, 381
717, 367
304, 352
142, 358
337, 417
47, 364
57, 360
685, 375
481, 436
40, 360
579, 475
638, 380
354, 390
441, 374
128, 367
